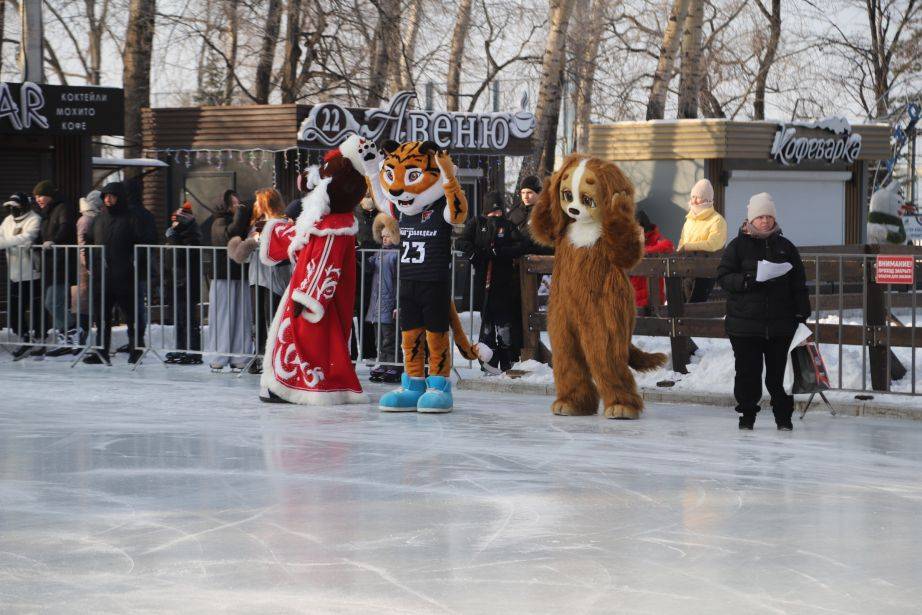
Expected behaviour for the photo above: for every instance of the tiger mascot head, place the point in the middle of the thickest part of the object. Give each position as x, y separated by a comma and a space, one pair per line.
411, 179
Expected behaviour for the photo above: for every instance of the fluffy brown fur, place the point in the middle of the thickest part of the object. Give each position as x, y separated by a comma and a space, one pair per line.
591, 312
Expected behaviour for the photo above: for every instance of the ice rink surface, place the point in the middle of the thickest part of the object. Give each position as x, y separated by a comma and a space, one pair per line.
176, 491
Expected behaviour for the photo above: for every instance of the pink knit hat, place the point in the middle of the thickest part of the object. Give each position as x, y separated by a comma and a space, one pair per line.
703, 190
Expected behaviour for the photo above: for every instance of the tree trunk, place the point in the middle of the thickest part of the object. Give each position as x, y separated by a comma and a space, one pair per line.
230, 50
139, 39
690, 76
408, 45
380, 58
665, 68
292, 52
96, 30
585, 71
709, 103
267, 52
540, 160
765, 64
456, 56
2, 31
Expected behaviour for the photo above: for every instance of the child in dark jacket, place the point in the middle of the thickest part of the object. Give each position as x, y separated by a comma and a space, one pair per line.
382, 305
654, 243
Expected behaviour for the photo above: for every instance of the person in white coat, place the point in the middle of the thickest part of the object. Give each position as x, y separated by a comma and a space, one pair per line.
18, 233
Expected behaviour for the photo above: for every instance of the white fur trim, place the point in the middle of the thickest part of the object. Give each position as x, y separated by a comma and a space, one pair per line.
584, 234
314, 207
350, 150
264, 238
306, 398
313, 177
313, 311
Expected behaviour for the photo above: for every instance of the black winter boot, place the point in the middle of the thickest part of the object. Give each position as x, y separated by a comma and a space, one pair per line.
747, 420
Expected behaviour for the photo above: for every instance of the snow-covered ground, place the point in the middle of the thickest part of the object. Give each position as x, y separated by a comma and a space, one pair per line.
173, 490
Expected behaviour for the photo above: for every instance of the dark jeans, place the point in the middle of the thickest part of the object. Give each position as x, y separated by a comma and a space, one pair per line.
498, 336
121, 296
749, 354
25, 297
188, 331
264, 307
389, 350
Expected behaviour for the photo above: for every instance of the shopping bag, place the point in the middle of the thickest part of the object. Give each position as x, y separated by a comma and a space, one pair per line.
810, 375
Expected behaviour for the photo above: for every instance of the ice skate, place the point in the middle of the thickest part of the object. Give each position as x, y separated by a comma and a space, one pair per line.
405, 398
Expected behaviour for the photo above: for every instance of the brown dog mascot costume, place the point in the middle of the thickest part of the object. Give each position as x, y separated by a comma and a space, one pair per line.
587, 214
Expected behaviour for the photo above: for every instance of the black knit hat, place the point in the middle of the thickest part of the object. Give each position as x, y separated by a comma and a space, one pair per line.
45, 187
644, 220
532, 183
494, 201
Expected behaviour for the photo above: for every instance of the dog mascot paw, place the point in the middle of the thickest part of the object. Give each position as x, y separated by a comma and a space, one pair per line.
587, 214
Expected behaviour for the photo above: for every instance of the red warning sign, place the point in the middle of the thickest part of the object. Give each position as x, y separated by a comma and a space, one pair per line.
892, 269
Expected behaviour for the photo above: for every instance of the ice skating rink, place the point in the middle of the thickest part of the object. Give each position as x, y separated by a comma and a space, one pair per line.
176, 491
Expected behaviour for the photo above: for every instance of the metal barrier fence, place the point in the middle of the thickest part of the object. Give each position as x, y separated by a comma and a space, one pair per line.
199, 302
54, 296
856, 321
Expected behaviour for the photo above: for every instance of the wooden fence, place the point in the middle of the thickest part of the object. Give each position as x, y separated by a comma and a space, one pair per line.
839, 278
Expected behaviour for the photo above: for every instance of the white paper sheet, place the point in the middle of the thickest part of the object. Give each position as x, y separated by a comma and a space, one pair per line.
768, 270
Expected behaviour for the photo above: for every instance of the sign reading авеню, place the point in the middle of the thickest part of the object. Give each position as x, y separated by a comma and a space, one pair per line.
31, 108
328, 124
788, 148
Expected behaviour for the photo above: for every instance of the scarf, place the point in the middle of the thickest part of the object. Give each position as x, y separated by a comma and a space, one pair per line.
752, 231
697, 209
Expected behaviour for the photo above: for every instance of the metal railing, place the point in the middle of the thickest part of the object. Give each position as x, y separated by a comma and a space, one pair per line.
851, 313
54, 296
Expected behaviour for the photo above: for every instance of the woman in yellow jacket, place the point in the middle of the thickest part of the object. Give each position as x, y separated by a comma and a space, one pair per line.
705, 230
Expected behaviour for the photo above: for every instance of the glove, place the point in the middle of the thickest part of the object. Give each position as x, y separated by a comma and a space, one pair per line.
47, 245
800, 319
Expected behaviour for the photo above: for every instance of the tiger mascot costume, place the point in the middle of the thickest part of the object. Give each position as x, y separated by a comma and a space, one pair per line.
415, 182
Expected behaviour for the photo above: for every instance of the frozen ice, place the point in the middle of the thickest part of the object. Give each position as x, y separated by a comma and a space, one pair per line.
173, 490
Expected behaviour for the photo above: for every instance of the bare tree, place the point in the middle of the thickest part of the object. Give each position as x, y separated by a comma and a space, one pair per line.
292, 52
665, 68
408, 44
2, 31
456, 57
262, 84
766, 60
230, 48
586, 60
139, 38
547, 110
383, 61
690, 75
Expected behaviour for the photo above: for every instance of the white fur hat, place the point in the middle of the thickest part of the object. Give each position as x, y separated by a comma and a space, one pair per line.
761, 204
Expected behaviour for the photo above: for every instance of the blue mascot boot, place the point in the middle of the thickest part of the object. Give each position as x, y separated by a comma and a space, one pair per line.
406, 397
437, 398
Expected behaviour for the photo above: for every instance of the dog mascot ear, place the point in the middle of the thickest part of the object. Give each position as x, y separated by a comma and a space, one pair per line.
548, 222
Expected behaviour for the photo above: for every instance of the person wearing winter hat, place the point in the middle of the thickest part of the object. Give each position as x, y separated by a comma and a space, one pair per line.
519, 214
762, 315
119, 227
58, 229
19, 231
492, 243
306, 359
90, 206
704, 230
182, 283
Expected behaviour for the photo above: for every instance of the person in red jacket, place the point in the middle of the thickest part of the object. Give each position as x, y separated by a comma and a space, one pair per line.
654, 243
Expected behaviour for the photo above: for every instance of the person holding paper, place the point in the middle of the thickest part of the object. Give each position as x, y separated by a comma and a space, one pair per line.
764, 278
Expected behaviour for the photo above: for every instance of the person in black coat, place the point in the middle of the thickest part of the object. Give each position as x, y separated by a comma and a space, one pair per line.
58, 228
182, 282
492, 243
120, 227
762, 316
520, 214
